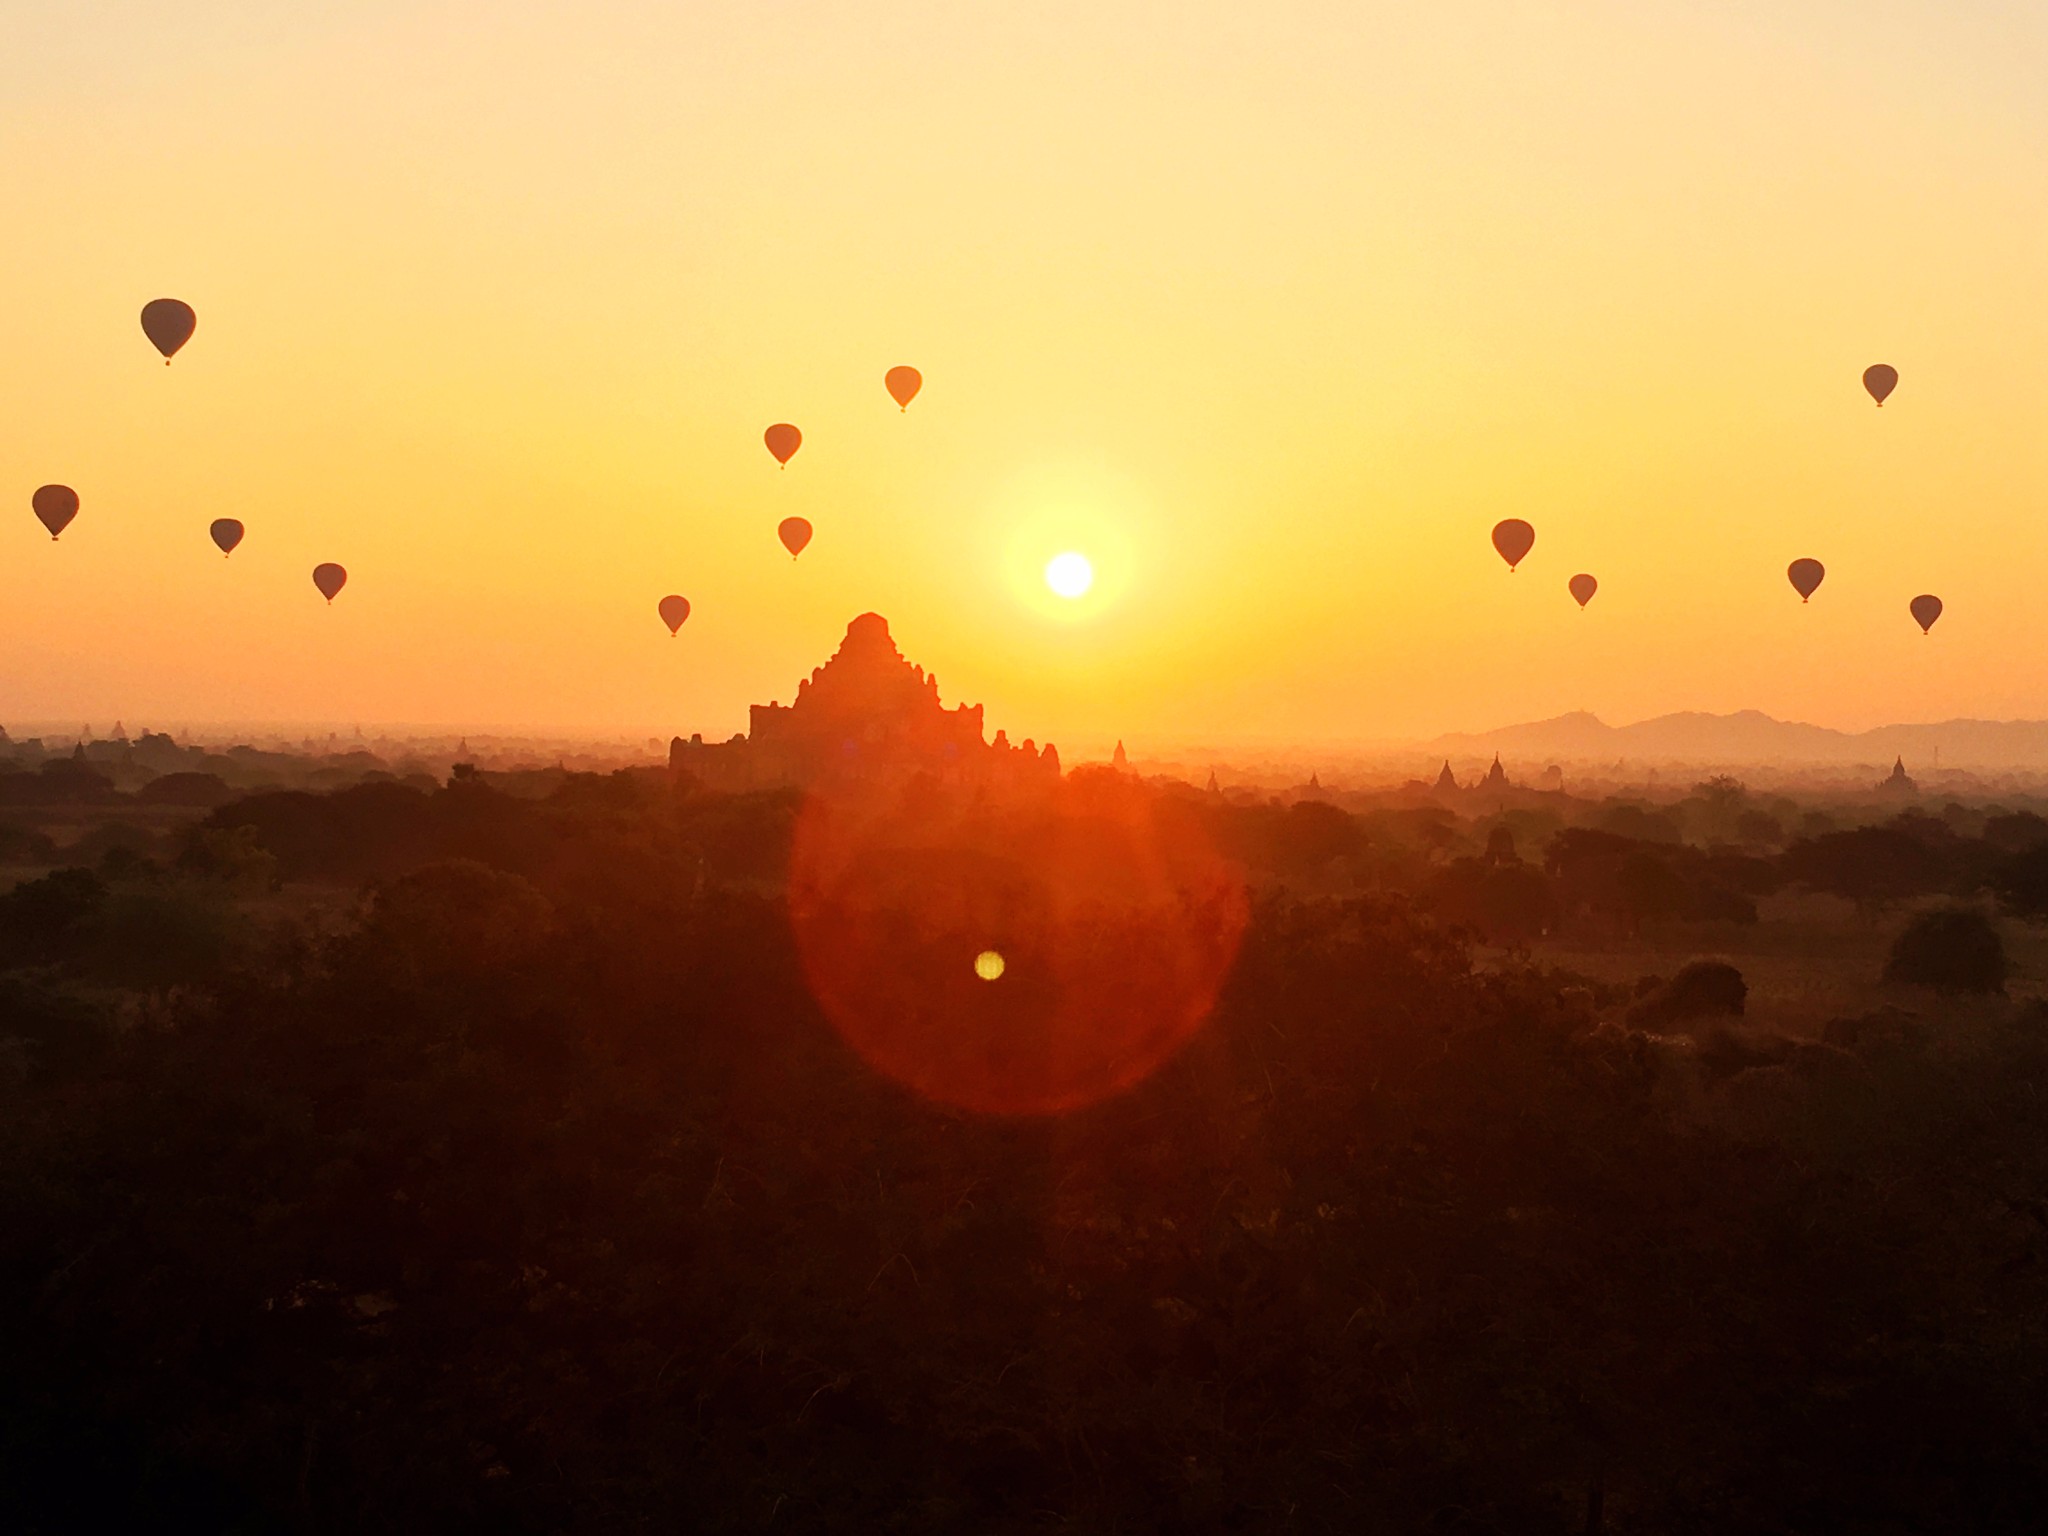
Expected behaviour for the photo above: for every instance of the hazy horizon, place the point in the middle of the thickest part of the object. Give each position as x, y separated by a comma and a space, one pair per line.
1272, 318
1378, 755
655, 1037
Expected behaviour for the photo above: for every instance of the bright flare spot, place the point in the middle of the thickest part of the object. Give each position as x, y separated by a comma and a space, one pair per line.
988, 965
1070, 574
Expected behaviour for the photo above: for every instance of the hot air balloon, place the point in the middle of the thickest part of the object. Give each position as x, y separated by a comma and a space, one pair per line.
903, 383
330, 579
1926, 609
795, 533
782, 440
168, 324
1880, 379
55, 506
673, 611
1583, 587
1514, 539
1805, 576
227, 533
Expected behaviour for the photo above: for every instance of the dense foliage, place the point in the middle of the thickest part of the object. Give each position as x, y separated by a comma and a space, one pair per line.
1951, 949
530, 1192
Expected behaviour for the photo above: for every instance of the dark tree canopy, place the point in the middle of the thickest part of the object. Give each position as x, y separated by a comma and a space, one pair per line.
476, 1156
1951, 949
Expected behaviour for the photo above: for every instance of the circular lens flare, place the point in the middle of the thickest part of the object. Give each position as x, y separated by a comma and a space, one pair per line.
1069, 574
1119, 923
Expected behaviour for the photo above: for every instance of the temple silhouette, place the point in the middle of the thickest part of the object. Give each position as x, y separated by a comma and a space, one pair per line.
867, 716
1496, 780
1899, 782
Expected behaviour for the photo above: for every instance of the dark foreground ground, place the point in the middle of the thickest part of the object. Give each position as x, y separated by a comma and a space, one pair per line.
531, 1193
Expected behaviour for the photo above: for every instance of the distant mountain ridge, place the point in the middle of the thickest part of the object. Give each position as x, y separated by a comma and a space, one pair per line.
1750, 736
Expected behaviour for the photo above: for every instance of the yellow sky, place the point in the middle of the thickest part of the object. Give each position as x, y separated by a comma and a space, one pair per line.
1271, 309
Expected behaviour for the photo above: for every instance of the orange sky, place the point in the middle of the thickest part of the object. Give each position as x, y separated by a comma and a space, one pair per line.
1271, 309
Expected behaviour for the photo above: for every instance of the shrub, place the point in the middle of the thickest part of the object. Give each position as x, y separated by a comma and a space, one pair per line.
160, 936
47, 1025
1701, 989
1951, 949
1892, 1028
1868, 865
2016, 831
455, 920
1503, 903
2021, 881
203, 791
1638, 821
21, 845
41, 919
231, 856
115, 837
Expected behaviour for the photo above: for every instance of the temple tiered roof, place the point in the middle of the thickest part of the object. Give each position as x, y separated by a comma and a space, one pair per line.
867, 714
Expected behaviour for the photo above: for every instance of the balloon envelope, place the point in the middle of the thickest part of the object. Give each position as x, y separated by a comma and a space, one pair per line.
55, 506
227, 533
1514, 539
903, 382
1880, 379
168, 324
1926, 609
1583, 587
795, 533
673, 611
330, 579
782, 440
1805, 576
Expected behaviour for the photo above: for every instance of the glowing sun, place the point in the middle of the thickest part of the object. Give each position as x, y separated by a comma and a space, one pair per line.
1069, 575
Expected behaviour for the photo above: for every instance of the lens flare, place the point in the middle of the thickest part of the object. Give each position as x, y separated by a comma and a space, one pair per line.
1119, 923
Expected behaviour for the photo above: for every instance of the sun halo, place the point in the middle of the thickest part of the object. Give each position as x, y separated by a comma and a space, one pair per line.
1069, 574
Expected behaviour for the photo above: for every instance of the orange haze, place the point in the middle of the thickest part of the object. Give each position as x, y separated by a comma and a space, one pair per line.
1271, 310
